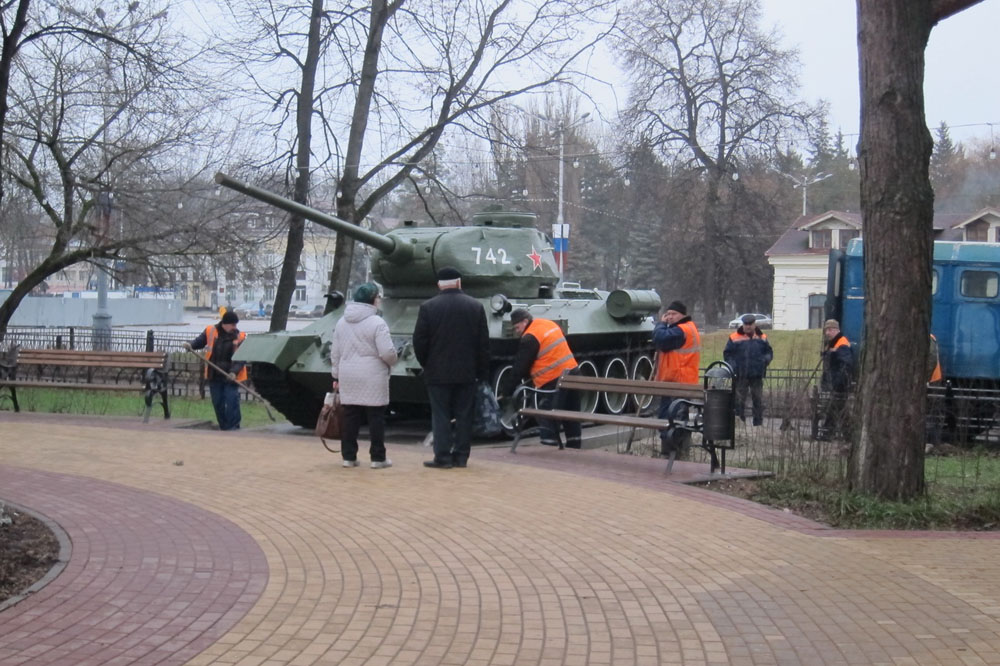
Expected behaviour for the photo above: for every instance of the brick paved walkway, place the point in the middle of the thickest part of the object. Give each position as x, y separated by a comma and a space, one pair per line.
497, 564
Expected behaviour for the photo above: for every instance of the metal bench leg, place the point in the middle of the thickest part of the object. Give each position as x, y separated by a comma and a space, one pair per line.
670, 460
517, 440
166, 405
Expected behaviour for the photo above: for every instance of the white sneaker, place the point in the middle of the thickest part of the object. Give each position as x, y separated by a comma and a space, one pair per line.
350, 463
381, 464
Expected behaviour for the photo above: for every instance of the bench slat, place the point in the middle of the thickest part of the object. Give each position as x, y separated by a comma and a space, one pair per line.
83, 363
97, 359
22, 383
636, 386
608, 419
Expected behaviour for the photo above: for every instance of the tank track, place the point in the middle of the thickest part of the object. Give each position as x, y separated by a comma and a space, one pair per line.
298, 404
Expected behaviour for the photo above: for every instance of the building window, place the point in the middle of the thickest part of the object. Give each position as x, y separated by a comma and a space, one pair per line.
817, 310
822, 238
247, 294
846, 235
300, 293
300, 274
996, 234
269, 293
977, 231
980, 284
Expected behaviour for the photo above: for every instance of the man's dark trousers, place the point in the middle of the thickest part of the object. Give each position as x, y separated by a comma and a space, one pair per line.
226, 401
755, 386
560, 400
452, 442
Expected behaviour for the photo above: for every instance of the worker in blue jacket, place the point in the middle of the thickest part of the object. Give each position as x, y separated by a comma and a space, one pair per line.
749, 353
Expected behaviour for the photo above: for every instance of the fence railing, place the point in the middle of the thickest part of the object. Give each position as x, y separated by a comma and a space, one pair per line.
186, 377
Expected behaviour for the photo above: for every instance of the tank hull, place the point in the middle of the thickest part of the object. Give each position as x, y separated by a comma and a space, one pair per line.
292, 369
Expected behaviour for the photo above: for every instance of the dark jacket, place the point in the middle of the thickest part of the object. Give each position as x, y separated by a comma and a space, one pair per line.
838, 366
451, 339
748, 352
222, 351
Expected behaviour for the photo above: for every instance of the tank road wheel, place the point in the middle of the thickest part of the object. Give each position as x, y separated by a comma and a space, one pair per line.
615, 403
588, 399
642, 369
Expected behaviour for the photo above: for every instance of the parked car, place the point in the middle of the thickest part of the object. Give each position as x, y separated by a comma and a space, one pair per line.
247, 310
762, 320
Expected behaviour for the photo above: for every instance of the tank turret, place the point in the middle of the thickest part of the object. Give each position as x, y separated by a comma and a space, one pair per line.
499, 252
505, 262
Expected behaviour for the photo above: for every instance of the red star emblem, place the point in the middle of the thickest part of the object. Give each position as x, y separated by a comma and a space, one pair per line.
536, 259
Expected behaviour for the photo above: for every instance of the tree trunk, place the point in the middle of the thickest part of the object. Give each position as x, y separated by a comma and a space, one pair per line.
897, 204
11, 44
303, 155
350, 183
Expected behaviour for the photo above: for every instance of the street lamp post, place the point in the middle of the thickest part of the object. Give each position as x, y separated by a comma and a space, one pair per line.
804, 182
561, 229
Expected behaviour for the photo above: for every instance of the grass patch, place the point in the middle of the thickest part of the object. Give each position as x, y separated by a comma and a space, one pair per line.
109, 403
792, 349
963, 492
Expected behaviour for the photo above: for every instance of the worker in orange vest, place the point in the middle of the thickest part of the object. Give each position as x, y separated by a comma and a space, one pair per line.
678, 346
220, 341
543, 356
838, 376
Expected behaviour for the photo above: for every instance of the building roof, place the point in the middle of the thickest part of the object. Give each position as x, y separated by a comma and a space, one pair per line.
795, 240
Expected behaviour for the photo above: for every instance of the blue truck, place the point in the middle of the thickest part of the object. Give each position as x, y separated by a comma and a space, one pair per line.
965, 321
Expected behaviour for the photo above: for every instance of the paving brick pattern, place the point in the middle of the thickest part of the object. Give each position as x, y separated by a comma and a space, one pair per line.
149, 579
545, 561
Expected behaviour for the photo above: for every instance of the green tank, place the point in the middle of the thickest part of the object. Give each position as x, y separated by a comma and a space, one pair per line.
505, 262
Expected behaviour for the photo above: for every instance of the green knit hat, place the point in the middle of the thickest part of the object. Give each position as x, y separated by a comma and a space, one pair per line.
366, 293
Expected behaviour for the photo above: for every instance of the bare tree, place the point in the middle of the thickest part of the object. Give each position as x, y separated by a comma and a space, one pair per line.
399, 75
99, 133
897, 206
710, 89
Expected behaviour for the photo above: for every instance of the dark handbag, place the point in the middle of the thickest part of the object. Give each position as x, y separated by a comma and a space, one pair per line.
331, 416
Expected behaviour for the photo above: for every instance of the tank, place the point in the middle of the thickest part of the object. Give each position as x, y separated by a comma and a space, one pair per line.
505, 262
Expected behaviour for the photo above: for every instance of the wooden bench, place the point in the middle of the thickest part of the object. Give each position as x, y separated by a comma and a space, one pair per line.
87, 370
686, 413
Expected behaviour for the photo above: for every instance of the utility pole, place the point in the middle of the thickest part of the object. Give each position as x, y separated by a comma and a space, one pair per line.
560, 230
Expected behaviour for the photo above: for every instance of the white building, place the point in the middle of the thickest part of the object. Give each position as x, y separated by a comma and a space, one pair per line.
800, 258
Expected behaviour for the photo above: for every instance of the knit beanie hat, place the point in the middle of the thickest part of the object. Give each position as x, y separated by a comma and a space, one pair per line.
230, 318
677, 306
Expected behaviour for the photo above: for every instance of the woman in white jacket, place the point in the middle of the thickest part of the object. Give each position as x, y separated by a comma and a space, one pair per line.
361, 355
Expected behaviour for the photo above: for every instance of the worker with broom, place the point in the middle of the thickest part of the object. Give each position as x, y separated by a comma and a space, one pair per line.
220, 341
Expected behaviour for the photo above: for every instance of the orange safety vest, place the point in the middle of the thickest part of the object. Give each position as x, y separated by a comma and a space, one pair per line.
936, 375
554, 355
681, 365
736, 335
841, 341
210, 335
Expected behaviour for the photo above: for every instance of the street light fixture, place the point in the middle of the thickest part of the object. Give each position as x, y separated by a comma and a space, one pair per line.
804, 182
560, 229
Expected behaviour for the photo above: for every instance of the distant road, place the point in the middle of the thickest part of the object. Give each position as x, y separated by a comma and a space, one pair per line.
195, 322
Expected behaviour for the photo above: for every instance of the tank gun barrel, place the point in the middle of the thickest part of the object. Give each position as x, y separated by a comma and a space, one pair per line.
395, 251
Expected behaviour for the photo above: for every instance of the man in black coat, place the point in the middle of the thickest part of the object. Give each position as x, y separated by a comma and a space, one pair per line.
451, 341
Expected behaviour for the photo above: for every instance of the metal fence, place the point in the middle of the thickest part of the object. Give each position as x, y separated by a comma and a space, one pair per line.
185, 371
85, 338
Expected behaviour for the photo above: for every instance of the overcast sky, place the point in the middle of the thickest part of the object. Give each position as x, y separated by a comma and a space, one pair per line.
962, 84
